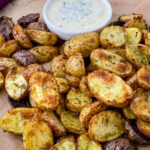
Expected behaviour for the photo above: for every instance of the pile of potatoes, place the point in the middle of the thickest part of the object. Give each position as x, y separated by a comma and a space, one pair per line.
96, 95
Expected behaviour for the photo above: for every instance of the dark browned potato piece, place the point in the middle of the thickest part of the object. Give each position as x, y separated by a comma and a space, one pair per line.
73, 81
119, 144
38, 26
26, 20
24, 57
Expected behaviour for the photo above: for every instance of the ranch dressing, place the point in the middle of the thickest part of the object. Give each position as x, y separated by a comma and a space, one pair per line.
77, 15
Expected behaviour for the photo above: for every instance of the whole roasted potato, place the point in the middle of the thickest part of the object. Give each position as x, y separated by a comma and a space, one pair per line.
42, 37
75, 65
73, 81
38, 26
21, 37
44, 53
83, 43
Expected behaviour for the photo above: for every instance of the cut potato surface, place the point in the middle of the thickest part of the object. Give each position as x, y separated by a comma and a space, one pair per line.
16, 120
44, 92
38, 136
105, 126
109, 88
107, 60
125, 18
128, 113
145, 49
73, 81
112, 37
141, 24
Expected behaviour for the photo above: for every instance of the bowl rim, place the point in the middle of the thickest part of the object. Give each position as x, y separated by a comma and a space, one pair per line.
51, 25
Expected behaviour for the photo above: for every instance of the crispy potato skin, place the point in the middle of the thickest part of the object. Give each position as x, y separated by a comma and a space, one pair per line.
128, 113
2, 40
106, 126
89, 110
44, 92
1, 80
125, 18
141, 24
109, 61
73, 81
42, 37
58, 68
113, 37
101, 82
82, 43
21, 37
38, 135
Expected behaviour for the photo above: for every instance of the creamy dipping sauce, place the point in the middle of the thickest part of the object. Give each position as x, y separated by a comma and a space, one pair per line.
76, 15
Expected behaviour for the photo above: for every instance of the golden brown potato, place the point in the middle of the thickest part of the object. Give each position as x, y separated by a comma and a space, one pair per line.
102, 82
42, 37
63, 85
144, 127
1, 80
37, 136
109, 61
106, 126
138, 92
58, 66
140, 106
125, 18
128, 113
55, 124
141, 24
44, 54
71, 122
88, 111
136, 56
90, 68
75, 66
134, 35
113, 37
76, 100
145, 49
84, 86
82, 43
16, 120
21, 37
44, 92
143, 77
85, 143
2, 40
73, 81
147, 38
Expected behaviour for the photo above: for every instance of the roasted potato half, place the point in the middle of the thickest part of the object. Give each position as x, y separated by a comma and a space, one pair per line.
58, 68
16, 120
2, 40
145, 49
102, 82
136, 56
42, 37
82, 43
76, 100
134, 35
113, 37
44, 92
73, 81
21, 37
141, 24
85, 143
71, 122
89, 110
1, 80
128, 113
107, 60
106, 126
75, 66
125, 18
38, 135
44, 54
57, 127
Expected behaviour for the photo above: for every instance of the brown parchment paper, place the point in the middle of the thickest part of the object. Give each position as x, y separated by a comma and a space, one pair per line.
18, 8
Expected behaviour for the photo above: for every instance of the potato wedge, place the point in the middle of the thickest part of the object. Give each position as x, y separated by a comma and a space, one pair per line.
63, 85
58, 68
141, 24
109, 88
44, 54
44, 92
119, 51
85, 143
82, 43
136, 56
2, 40
144, 127
21, 37
76, 100
125, 18
57, 127
71, 122
16, 120
88, 111
1, 80
37, 136
42, 37
134, 35
73, 81
113, 37
106, 126
128, 113
109, 61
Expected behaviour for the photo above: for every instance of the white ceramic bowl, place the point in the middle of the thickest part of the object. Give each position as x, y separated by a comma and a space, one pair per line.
66, 34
